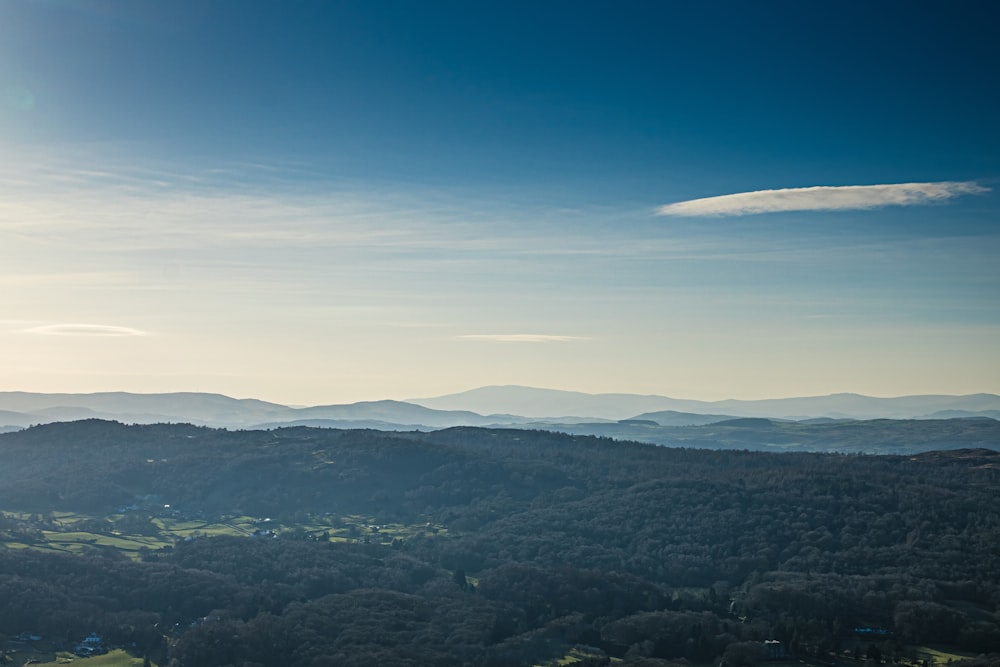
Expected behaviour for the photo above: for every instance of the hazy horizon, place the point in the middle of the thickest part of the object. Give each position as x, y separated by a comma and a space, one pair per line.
475, 390
315, 204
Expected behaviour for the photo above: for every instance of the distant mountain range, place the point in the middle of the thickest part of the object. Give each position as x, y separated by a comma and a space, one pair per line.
534, 402
23, 409
814, 422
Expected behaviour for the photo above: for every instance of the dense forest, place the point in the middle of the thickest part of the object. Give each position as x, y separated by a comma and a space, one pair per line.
525, 544
863, 436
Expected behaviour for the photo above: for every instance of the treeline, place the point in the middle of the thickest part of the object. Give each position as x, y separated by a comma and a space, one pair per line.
646, 553
870, 436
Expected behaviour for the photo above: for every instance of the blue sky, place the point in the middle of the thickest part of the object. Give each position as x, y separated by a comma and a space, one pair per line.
315, 202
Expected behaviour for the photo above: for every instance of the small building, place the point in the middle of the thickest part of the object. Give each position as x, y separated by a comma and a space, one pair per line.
773, 649
92, 644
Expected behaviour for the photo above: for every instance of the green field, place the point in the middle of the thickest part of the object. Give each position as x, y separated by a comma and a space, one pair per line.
68, 531
940, 656
73, 540
574, 657
116, 658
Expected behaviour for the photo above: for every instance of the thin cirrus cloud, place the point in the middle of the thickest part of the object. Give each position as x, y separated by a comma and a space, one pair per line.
136, 209
84, 330
520, 338
822, 198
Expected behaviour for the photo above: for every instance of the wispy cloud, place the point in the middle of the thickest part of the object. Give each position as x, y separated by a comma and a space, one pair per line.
84, 330
127, 209
822, 198
521, 338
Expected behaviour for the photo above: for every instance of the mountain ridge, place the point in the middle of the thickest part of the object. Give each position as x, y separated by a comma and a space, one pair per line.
504, 406
539, 402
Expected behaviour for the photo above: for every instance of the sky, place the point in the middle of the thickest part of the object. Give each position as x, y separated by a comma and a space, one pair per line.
328, 202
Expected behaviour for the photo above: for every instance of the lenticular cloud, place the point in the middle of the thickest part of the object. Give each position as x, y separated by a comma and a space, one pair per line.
822, 198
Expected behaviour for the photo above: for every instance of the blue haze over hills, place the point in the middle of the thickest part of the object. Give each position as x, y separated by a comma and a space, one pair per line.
839, 422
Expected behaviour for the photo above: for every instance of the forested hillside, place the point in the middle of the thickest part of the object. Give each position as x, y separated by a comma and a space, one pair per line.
517, 546
871, 436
